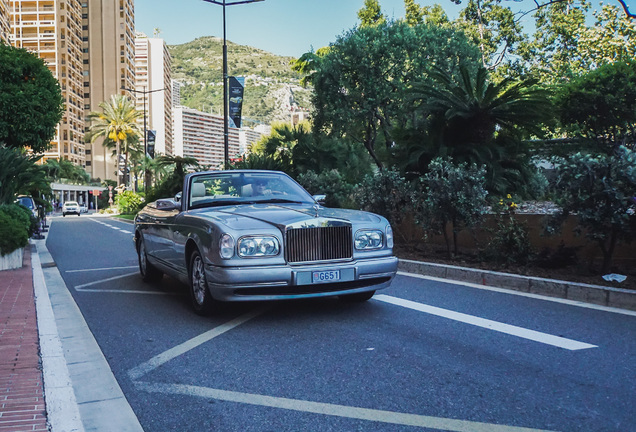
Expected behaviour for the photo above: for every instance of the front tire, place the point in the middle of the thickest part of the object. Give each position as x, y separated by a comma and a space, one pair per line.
357, 297
149, 273
202, 300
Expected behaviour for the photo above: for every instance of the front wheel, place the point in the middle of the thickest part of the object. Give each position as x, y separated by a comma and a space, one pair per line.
357, 297
202, 300
149, 273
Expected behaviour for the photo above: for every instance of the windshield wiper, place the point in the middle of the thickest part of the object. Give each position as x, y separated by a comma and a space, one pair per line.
217, 203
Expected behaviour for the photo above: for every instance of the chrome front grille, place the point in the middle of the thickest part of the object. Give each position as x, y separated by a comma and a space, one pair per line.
318, 244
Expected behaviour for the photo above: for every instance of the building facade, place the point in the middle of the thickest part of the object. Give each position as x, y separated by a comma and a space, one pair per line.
53, 30
153, 89
5, 18
108, 56
200, 135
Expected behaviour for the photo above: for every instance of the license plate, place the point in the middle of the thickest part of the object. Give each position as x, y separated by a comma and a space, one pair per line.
325, 276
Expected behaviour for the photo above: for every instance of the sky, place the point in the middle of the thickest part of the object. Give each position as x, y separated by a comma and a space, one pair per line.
282, 27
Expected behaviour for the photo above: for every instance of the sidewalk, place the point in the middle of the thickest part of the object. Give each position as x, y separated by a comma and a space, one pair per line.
21, 390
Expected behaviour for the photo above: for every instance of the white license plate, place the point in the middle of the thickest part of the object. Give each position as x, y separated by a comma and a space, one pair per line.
325, 276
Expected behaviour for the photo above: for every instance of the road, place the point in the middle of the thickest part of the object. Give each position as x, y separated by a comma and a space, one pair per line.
420, 356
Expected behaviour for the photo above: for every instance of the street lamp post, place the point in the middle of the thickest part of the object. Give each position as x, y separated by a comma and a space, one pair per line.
144, 92
226, 133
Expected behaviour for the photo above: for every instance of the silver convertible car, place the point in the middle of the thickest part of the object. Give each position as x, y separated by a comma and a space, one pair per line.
258, 235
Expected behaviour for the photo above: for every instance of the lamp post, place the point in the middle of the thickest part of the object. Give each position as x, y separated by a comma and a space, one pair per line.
226, 142
144, 92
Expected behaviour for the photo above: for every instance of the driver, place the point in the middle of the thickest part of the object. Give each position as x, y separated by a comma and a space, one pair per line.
259, 187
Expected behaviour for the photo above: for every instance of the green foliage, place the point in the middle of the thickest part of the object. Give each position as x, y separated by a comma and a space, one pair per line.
117, 123
14, 230
601, 105
361, 84
385, 193
599, 189
330, 183
451, 194
57, 169
371, 14
510, 243
20, 174
31, 103
128, 202
474, 120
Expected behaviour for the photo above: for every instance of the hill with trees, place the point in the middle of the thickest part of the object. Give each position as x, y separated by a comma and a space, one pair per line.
271, 86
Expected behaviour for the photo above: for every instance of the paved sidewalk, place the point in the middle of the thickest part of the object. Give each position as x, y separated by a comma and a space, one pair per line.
21, 391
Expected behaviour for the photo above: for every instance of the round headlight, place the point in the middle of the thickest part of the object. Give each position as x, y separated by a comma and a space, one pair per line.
258, 246
226, 246
368, 239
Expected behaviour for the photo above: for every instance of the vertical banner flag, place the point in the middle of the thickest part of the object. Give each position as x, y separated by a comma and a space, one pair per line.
150, 143
236, 100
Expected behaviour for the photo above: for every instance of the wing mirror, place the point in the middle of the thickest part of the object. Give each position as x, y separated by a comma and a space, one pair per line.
177, 197
167, 205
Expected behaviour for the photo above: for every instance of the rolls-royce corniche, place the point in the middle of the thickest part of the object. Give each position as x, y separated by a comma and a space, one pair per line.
246, 235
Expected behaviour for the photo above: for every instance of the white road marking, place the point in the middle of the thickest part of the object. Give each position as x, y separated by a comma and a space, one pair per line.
80, 287
522, 294
521, 332
148, 366
391, 417
100, 269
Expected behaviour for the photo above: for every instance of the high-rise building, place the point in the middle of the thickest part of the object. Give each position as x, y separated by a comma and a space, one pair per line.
53, 30
176, 93
200, 135
109, 57
4, 21
153, 89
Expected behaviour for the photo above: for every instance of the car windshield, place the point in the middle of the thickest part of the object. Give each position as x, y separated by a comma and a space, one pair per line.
70, 203
232, 188
26, 201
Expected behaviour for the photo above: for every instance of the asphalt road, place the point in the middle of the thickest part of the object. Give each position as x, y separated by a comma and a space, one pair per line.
419, 356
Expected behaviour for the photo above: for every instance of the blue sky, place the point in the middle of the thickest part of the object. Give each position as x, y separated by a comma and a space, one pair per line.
282, 27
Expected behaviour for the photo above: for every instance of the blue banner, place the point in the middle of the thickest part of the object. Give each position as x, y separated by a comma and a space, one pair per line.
236, 85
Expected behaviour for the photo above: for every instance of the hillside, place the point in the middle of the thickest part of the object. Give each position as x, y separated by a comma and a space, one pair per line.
270, 84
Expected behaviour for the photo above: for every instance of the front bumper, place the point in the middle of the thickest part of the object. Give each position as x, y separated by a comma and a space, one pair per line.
290, 282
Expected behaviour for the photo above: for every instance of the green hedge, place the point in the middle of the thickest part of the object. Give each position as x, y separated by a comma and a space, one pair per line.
15, 227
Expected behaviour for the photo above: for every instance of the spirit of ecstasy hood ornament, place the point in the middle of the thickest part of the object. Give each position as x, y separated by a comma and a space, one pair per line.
316, 208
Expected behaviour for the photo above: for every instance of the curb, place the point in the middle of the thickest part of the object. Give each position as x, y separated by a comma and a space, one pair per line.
595, 294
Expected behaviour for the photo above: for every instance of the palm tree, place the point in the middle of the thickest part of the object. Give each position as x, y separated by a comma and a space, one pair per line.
118, 123
477, 121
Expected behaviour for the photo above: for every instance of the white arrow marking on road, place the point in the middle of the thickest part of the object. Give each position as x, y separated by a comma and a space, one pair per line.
521, 332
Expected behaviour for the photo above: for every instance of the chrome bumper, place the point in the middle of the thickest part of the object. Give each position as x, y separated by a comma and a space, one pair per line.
289, 282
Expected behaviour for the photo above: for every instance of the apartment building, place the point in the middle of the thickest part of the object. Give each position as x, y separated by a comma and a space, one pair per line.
4, 21
108, 56
200, 135
53, 30
153, 89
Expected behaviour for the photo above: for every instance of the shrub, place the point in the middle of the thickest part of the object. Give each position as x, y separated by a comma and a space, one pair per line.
128, 202
13, 232
23, 215
451, 194
385, 193
600, 190
510, 243
330, 183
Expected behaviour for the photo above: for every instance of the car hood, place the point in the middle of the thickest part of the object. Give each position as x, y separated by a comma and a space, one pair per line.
256, 216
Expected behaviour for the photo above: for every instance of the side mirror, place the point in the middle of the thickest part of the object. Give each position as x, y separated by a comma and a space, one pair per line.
177, 197
320, 199
167, 205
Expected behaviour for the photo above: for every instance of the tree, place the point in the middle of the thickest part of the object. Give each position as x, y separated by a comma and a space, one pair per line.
31, 103
361, 83
371, 14
601, 105
117, 122
477, 121
20, 174
414, 13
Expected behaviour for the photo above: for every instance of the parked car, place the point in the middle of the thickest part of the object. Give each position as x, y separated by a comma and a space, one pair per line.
83, 208
29, 203
258, 235
70, 207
